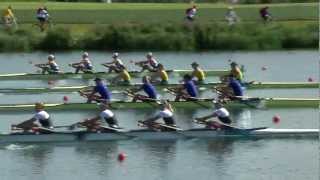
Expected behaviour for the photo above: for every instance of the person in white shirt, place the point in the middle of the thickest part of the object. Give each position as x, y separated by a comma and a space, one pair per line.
166, 114
40, 119
105, 116
219, 112
115, 65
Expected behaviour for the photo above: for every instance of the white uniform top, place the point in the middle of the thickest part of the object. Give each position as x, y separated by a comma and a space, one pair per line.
118, 61
106, 114
165, 113
221, 112
41, 115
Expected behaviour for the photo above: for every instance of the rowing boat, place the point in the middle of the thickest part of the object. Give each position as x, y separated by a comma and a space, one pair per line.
68, 75
153, 135
201, 103
202, 87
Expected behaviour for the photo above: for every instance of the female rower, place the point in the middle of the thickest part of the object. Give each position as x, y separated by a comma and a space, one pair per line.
148, 88
219, 112
161, 74
107, 117
166, 113
188, 90
84, 65
123, 77
51, 67
198, 73
40, 119
236, 71
151, 64
115, 65
100, 93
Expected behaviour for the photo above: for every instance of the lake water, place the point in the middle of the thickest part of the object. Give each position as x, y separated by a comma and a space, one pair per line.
245, 159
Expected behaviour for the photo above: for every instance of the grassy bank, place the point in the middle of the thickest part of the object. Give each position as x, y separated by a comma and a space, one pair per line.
138, 13
216, 36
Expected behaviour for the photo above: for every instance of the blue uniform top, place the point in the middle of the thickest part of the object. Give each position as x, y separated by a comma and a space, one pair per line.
103, 91
191, 88
150, 90
236, 87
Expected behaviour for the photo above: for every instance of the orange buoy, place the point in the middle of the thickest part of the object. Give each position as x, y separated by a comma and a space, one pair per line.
121, 157
276, 119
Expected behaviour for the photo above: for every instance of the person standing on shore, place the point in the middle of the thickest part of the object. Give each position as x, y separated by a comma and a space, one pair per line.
265, 15
191, 13
9, 18
231, 16
43, 17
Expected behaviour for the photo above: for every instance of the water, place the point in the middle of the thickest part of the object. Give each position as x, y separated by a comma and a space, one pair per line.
244, 159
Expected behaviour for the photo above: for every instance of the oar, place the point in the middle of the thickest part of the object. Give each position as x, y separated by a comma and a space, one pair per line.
152, 102
239, 98
195, 100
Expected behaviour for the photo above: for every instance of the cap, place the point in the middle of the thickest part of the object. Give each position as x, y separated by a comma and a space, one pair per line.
194, 64
51, 57
233, 63
39, 105
97, 79
149, 54
114, 55
85, 54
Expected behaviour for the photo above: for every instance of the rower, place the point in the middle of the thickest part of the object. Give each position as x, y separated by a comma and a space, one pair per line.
236, 71
101, 89
84, 65
160, 74
219, 112
166, 113
198, 73
188, 90
151, 64
40, 119
115, 65
123, 77
51, 67
148, 88
106, 115
232, 90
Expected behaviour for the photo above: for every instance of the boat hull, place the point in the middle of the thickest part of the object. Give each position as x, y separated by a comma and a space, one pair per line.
152, 135
204, 103
202, 87
69, 75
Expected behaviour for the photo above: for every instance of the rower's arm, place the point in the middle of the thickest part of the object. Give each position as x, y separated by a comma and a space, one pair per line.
152, 119
94, 118
204, 118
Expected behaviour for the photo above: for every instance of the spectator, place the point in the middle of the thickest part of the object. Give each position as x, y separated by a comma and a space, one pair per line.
231, 16
265, 15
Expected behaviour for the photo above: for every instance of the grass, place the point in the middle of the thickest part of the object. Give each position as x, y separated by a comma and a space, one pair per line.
100, 13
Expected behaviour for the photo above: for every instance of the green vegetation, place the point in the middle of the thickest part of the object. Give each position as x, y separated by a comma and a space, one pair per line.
102, 13
217, 36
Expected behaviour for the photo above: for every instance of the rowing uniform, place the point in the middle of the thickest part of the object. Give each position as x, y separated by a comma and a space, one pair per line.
223, 115
191, 88
164, 76
167, 117
236, 87
110, 118
150, 90
199, 74
43, 119
87, 64
153, 63
103, 91
125, 76
236, 72
118, 63
53, 67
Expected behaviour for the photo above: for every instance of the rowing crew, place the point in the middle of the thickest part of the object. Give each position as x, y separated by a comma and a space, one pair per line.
106, 120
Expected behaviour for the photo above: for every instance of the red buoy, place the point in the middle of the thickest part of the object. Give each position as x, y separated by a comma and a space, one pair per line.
310, 79
263, 68
65, 99
121, 157
276, 119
